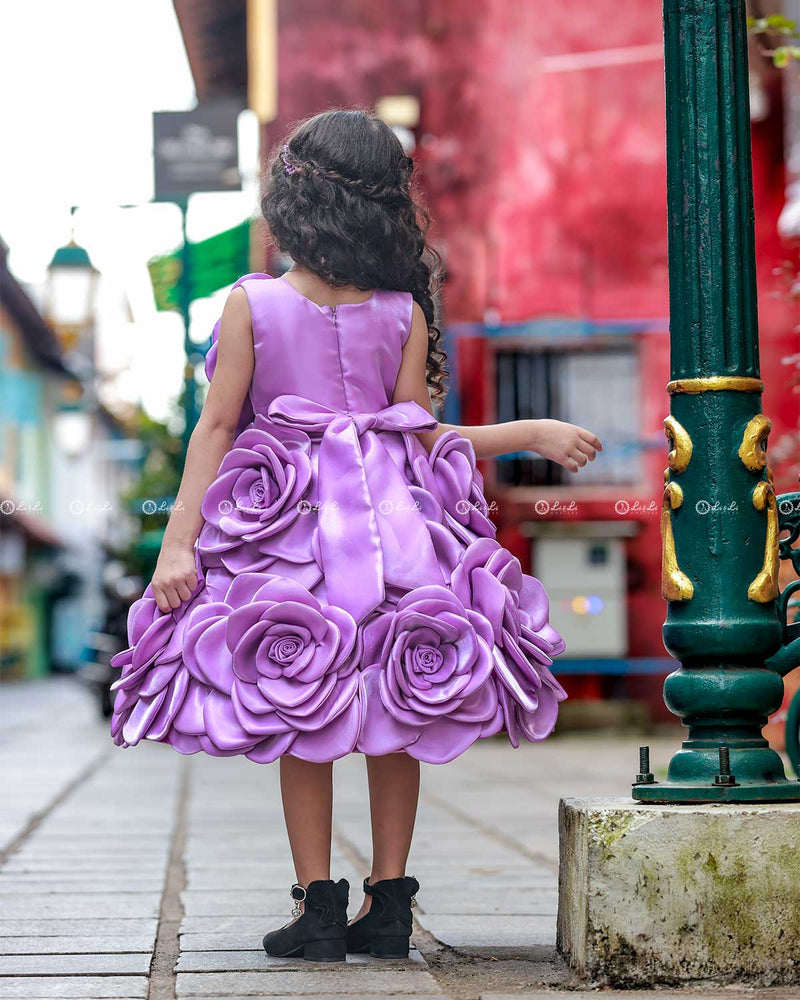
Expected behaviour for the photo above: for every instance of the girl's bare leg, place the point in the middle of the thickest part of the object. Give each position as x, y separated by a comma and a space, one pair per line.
393, 795
307, 792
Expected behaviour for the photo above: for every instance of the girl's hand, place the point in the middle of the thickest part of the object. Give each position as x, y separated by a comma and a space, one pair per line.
567, 444
175, 577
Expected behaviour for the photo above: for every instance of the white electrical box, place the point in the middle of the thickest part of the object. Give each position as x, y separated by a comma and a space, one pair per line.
585, 582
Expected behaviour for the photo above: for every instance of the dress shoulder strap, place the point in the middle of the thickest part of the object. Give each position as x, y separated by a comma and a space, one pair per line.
398, 308
211, 354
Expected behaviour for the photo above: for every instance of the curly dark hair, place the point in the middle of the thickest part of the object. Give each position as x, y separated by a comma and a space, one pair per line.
339, 199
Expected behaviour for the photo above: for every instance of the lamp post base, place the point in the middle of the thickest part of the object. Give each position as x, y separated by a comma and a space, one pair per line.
740, 770
675, 792
725, 758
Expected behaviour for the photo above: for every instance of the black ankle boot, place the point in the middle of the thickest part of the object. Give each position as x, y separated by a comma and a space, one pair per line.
384, 931
320, 932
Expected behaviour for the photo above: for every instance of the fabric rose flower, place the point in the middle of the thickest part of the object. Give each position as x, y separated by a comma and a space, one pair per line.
451, 476
154, 683
427, 680
257, 509
490, 579
281, 669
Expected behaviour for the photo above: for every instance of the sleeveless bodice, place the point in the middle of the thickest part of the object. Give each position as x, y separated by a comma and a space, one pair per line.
345, 357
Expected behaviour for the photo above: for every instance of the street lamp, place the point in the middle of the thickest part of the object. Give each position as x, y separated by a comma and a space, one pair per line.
70, 292
72, 429
69, 308
720, 520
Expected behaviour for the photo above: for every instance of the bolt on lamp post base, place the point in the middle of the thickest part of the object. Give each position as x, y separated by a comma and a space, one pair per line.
721, 772
676, 792
725, 758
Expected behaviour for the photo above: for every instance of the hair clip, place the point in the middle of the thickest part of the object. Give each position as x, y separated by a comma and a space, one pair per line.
290, 164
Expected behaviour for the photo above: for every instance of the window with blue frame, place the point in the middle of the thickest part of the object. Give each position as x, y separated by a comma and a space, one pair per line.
597, 389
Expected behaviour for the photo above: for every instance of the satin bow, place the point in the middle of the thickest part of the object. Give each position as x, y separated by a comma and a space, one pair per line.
370, 531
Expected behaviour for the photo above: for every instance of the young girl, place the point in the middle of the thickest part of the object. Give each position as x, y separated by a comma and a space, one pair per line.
329, 580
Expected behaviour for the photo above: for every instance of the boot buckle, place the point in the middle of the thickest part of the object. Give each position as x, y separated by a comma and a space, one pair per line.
298, 894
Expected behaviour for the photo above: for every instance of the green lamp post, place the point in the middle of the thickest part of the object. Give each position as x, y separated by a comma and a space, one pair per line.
720, 520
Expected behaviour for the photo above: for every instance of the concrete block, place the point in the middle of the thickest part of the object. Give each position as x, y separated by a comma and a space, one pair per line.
663, 894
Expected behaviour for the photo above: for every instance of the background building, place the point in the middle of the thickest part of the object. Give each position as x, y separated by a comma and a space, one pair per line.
539, 140
65, 460
33, 377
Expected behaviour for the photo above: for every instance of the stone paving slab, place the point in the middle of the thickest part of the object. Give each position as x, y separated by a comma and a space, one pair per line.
254, 961
214, 903
445, 876
254, 924
82, 987
254, 879
91, 905
28, 710
497, 900
140, 832
39, 945
487, 935
78, 868
246, 931
485, 852
71, 965
28, 927
106, 860
41, 887
240, 943
337, 979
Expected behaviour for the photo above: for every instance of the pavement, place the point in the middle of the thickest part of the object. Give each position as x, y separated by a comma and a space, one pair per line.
144, 874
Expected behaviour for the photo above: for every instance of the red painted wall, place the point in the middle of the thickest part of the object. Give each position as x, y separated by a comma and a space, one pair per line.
541, 149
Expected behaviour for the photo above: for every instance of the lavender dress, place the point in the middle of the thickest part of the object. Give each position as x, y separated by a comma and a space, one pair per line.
351, 593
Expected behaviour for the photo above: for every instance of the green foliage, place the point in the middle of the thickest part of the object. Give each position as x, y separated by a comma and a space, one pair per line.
151, 495
777, 24
784, 54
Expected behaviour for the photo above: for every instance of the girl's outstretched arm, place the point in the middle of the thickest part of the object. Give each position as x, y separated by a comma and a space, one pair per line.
175, 575
567, 444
